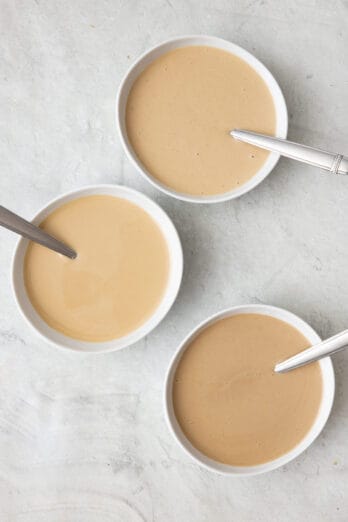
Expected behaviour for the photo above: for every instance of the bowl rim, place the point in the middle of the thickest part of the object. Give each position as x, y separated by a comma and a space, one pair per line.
175, 251
328, 379
219, 43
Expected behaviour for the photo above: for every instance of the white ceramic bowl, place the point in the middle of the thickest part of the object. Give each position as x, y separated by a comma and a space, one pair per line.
323, 414
174, 280
211, 41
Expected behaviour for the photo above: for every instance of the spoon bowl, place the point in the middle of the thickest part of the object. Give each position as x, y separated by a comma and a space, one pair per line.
328, 388
173, 284
210, 41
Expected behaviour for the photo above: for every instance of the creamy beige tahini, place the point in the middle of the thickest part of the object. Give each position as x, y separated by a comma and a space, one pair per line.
179, 114
229, 402
118, 278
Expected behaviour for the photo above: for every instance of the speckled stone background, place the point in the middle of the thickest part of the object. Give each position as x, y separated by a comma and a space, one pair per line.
82, 437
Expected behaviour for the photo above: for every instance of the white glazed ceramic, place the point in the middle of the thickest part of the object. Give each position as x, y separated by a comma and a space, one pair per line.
323, 414
211, 41
174, 281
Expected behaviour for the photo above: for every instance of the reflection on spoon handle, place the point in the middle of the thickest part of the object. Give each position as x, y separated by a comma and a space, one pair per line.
19, 225
335, 163
328, 347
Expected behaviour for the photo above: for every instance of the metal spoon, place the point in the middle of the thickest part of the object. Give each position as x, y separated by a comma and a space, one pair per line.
332, 345
19, 225
335, 163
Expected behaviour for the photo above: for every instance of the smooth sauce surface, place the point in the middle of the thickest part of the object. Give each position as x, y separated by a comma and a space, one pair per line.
180, 111
228, 401
118, 278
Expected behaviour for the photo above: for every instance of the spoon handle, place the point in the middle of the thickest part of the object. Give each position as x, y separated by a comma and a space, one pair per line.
318, 351
335, 163
19, 225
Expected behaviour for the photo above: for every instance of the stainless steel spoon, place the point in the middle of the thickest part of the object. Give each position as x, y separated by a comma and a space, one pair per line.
335, 163
19, 225
332, 345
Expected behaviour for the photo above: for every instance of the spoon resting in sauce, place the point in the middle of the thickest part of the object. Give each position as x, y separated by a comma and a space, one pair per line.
26, 229
334, 163
332, 345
